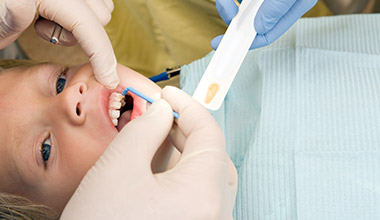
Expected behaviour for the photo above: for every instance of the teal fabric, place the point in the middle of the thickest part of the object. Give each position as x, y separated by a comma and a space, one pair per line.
302, 122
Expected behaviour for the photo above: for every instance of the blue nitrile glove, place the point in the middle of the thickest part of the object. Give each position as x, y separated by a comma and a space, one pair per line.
273, 19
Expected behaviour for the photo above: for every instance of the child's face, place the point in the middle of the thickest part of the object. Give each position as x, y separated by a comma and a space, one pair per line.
49, 140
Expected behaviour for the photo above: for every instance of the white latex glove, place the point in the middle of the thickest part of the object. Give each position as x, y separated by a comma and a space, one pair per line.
83, 21
121, 184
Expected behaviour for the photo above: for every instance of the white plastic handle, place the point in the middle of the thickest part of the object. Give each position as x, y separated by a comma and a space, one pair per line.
229, 56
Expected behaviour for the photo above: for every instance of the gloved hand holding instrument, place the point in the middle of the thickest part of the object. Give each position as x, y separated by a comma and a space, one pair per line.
121, 185
82, 20
273, 18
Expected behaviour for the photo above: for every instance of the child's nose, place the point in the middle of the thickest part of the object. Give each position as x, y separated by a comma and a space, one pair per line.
73, 102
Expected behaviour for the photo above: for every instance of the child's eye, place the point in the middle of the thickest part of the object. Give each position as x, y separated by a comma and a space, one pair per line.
45, 150
60, 85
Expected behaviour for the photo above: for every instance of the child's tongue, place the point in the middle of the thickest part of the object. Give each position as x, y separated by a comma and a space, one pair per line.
124, 119
139, 107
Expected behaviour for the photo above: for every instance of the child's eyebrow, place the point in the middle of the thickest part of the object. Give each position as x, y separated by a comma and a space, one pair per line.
48, 74
23, 159
24, 156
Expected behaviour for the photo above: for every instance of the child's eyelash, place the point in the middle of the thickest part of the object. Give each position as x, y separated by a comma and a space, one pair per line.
45, 137
59, 75
62, 73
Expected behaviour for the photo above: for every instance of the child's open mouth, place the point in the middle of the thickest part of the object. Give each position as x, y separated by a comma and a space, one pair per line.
123, 109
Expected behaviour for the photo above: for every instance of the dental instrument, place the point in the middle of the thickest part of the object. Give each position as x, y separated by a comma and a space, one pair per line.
54, 39
169, 73
147, 98
228, 57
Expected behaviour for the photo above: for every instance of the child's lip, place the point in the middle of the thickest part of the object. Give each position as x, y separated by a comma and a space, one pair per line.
139, 105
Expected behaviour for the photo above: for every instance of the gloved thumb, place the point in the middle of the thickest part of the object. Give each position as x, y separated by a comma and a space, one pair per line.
216, 41
227, 10
139, 140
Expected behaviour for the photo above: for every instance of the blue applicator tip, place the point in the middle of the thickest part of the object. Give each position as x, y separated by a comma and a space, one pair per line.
148, 99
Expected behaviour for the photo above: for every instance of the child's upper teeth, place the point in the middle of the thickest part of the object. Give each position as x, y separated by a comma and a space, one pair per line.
122, 101
114, 114
116, 100
115, 104
117, 95
114, 121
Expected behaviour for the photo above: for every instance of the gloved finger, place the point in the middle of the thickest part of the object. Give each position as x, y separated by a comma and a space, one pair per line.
15, 17
201, 130
270, 12
260, 41
298, 9
139, 140
44, 28
216, 41
232, 180
177, 138
90, 34
109, 4
232, 173
227, 10
102, 9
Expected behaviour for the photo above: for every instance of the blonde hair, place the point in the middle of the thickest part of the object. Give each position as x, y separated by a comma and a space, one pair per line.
9, 63
19, 208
